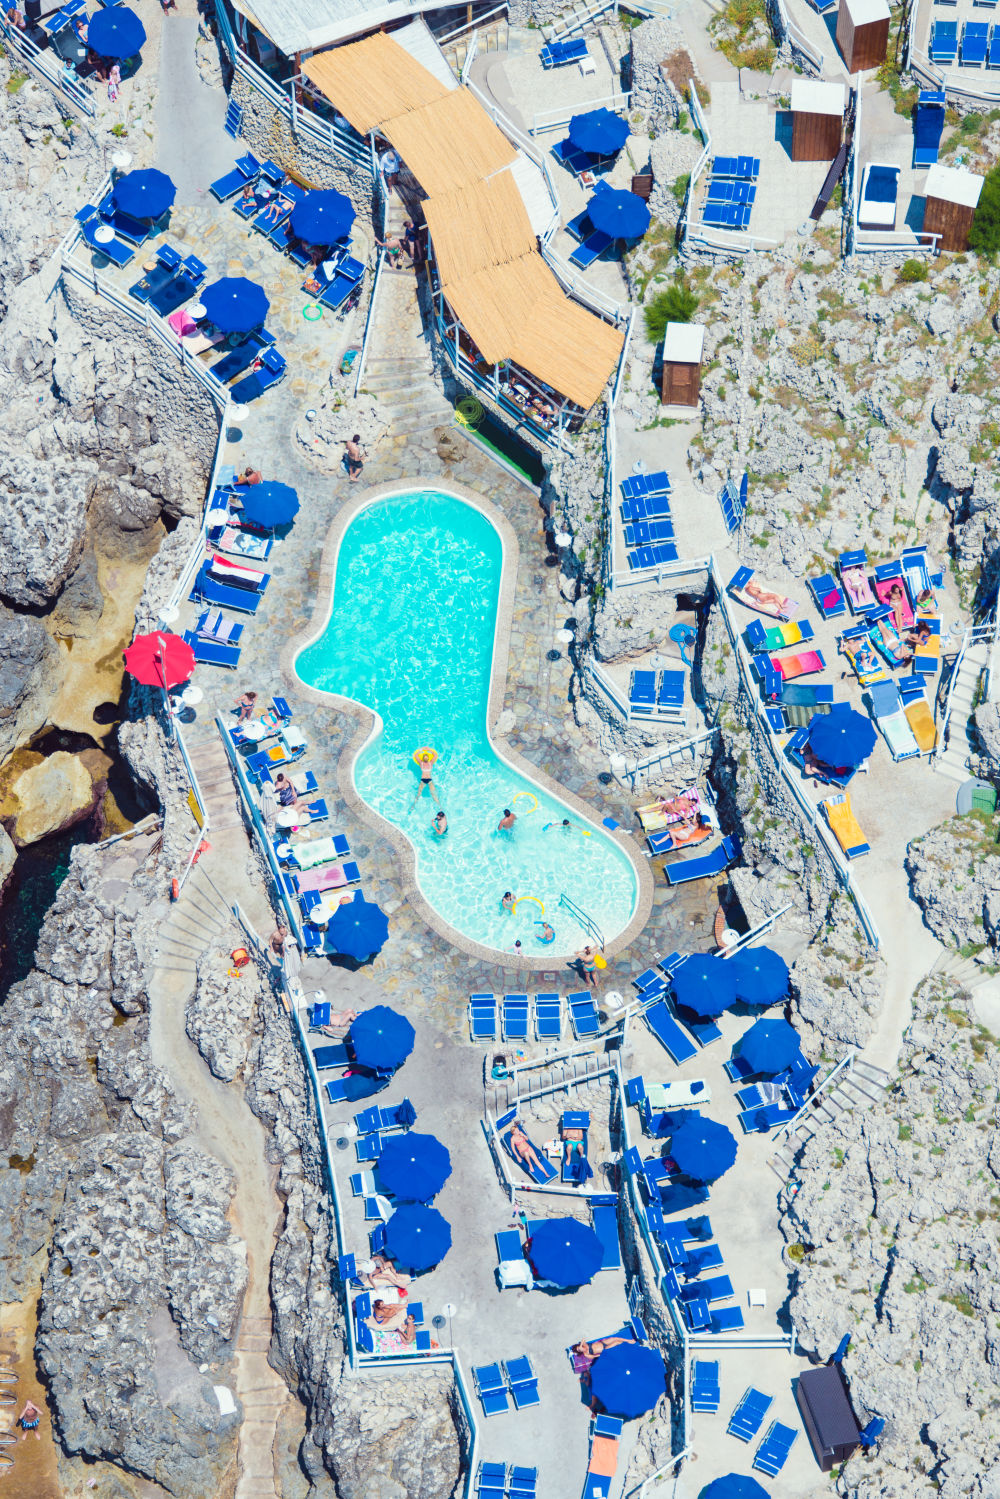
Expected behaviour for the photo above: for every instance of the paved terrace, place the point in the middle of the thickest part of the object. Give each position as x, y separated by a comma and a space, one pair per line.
887, 137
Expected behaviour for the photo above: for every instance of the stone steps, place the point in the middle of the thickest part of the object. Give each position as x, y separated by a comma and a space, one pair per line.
263, 1395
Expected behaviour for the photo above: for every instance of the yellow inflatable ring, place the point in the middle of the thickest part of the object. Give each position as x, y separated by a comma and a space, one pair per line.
521, 898
532, 808
599, 961
425, 756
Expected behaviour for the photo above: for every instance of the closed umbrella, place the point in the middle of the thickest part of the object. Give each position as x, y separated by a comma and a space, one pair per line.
269, 806
734, 1486
144, 195
115, 32
769, 1046
628, 1379
161, 659
322, 217
234, 304
417, 1237
566, 1252
841, 740
761, 975
703, 1148
414, 1167
618, 213
270, 504
599, 132
358, 929
704, 984
380, 1038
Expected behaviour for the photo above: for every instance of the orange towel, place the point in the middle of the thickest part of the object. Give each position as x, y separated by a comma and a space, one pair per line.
604, 1456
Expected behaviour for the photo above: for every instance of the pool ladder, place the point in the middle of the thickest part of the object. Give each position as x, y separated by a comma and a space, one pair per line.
587, 922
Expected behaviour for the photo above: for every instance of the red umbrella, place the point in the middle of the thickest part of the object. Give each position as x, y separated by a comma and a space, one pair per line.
159, 660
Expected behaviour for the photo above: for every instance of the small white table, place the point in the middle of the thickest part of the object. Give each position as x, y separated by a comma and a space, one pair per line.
192, 696
104, 235
196, 311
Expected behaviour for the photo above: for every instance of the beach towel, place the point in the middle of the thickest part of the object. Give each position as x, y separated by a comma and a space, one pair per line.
892, 592
669, 809
856, 586
235, 572
765, 599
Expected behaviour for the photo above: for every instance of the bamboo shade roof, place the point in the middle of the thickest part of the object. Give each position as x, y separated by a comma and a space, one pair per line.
374, 80
450, 142
480, 225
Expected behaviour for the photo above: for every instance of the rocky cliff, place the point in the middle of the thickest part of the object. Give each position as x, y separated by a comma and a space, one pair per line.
894, 1218
954, 874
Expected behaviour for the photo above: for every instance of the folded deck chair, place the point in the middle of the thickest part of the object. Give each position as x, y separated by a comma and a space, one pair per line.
845, 826
682, 871
829, 599
538, 1168
778, 637
774, 1449
748, 1417
755, 594
853, 568
604, 1216
583, 1015
675, 1042
212, 652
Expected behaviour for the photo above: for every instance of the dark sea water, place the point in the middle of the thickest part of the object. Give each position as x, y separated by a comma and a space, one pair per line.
34, 884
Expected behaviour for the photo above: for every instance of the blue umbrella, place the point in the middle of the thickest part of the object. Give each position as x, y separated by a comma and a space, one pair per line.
414, 1167
417, 1237
270, 504
842, 740
599, 132
380, 1037
734, 1486
144, 195
565, 1252
702, 1148
618, 213
761, 975
769, 1046
704, 985
234, 304
115, 32
628, 1379
358, 929
322, 217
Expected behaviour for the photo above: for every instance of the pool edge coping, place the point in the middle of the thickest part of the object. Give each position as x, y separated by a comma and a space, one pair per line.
366, 721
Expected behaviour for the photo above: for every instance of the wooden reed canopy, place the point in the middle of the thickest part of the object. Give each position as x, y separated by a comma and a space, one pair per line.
489, 267
480, 225
373, 81
450, 142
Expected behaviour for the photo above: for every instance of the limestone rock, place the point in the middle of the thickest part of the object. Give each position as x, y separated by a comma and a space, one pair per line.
837, 987
219, 1017
28, 658
51, 794
42, 522
953, 874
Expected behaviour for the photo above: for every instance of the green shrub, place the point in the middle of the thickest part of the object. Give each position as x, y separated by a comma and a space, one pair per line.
971, 124
914, 270
984, 236
677, 304
679, 186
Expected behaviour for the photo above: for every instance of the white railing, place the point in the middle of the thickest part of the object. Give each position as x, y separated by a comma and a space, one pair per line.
622, 362
469, 375
664, 758
662, 572
989, 684
199, 546
260, 831
369, 318
974, 635
577, 20
844, 1065
583, 290
810, 811
470, 57
444, 37
760, 930
557, 119
640, 1488
46, 66
784, 26
701, 125
620, 702
877, 242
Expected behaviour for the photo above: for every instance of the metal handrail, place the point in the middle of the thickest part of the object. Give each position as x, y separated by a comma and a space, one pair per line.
363, 356
200, 543
663, 571
587, 922
658, 716
260, 832
622, 362
445, 37
844, 1065
470, 56
583, 290
671, 752
701, 125
29, 52
974, 635
555, 119
760, 930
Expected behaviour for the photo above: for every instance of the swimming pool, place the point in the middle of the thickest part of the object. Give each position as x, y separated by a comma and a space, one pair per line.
411, 636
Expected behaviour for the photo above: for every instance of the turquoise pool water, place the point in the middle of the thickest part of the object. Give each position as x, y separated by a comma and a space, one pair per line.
411, 636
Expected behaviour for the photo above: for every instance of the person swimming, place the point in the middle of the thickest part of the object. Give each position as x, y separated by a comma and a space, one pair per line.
508, 902
507, 821
547, 934
564, 824
440, 825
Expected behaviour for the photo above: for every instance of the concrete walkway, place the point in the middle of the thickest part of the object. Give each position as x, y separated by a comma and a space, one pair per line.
193, 148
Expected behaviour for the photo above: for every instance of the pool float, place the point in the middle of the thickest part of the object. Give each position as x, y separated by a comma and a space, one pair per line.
521, 898
425, 756
534, 800
599, 961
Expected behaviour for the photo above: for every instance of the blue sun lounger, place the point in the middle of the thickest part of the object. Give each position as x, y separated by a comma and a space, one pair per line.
570, 157
540, 1170
774, 1449
645, 507
183, 288
514, 1011
604, 1214
583, 1015
247, 169
548, 1017
928, 124
490, 1388
482, 1017
592, 249
522, 1381
119, 254
829, 599
705, 1392
944, 42
678, 1197
580, 228
212, 652
558, 54
671, 1037
714, 862
975, 35
748, 1417
238, 360
272, 371
206, 590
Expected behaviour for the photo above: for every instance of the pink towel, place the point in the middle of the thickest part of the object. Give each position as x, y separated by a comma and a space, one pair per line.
322, 879
182, 322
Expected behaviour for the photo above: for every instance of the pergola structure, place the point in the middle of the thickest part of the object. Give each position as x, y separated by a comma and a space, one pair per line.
515, 333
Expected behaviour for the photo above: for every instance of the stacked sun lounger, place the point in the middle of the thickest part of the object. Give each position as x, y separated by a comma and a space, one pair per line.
494, 1382
705, 1391
648, 528
698, 1303
517, 1013
657, 694
774, 1449
501, 1481
748, 1417
559, 54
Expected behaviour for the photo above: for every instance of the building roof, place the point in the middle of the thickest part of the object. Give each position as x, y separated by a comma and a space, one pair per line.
863, 12
812, 97
302, 25
683, 343
489, 266
953, 185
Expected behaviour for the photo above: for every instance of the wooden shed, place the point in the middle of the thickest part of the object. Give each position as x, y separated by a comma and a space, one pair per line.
827, 1414
817, 119
863, 33
683, 346
952, 194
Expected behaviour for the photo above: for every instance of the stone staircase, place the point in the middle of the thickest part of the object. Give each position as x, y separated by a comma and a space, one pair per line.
859, 1086
953, 760
263, 1395
576, 19
399, 366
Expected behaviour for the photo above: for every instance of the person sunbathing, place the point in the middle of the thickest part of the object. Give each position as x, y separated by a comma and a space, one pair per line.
572, 1144
523, 1150
586, 1353
765, 600
813, 767
248, 198
678, 806
393, 1319
865, 659
277, 207
920, 636
689, 830
901, 615
382, 1272
285, 790
339, 1022
892, 642
856, 583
